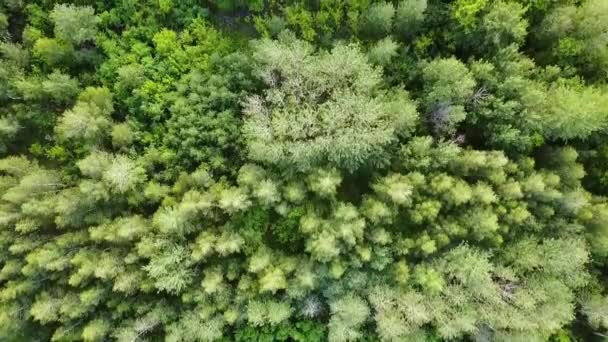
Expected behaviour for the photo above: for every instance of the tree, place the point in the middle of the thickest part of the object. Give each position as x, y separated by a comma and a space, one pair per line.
383, 51
573, 36
575, 113
377, 19
74, 24
8, 130
84, 122
122, 135
192, 327
465, 12
347, 316
448, 84
398, 315
169, 266
204, 125
504, 24
594, 306
53, 52
342, 117
269, 312
409, 16
123, 175
89, 120
96, 330
56, 87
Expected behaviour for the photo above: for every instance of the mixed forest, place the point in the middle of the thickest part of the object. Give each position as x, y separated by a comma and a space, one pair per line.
307, 170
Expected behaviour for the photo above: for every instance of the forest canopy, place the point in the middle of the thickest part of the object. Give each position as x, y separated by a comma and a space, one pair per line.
328, 170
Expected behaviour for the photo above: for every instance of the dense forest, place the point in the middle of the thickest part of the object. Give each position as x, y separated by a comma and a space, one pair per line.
305, 170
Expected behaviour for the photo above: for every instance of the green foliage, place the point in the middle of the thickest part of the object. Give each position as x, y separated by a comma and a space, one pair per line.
572, 36
448, 80
448, 85
169, 265
193, 327
402, 313
383, 52
504, 24
53, 52
203, 126
575, 114
74, 24
169, 173
342, 117
85, 122
594, 307
347, 316
122, 135
57, 87
300, 331
409, 16
377, 19
465, 12
123, 174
